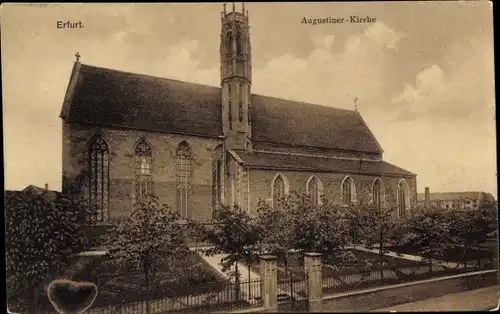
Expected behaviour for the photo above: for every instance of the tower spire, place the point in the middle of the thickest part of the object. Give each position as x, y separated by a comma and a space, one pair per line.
236, 79
356, 103
224, 9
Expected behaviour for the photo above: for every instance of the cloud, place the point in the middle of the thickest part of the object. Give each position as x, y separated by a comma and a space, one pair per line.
429, 92
358, 70
465, 91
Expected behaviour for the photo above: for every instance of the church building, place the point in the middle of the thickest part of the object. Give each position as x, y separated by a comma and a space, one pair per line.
126, 135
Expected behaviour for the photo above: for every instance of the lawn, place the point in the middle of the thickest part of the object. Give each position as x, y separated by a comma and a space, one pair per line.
121, 282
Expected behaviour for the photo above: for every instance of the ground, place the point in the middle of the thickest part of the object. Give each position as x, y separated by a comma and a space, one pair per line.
124, 283
475, 300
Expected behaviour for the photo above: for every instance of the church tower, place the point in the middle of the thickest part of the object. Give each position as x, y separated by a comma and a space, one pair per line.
236, 78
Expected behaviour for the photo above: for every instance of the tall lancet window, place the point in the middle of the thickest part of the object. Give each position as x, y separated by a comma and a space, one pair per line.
239, 43
377, 193
217, 177
348, 191
403, 200
229, 43
242, 99
183, 161
314, 190
230, 106
279, 189
143, 170
98, 178
217, 183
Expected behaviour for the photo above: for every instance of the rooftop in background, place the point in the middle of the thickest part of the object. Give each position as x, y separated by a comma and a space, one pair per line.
451, 196
34, 190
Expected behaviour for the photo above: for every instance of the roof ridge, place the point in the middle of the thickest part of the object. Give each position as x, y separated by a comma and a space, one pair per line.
303, 102
310, 155
148, 76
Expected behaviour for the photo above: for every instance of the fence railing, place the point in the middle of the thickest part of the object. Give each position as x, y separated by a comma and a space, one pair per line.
230, 297
292, 290
349, 280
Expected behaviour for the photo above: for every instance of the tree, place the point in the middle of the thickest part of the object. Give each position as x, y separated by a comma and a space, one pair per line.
428, 232
375, 226
471, 229
277, 226
41, 236
323, 229
233, 233
360, 221
151, 234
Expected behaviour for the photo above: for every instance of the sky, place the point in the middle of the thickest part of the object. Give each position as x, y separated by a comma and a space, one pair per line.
422, 73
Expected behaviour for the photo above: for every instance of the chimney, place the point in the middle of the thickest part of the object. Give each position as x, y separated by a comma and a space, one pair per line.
46, 186
427, 197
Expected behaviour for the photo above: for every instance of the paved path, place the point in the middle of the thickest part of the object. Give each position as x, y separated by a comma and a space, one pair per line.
406, 256
474, 300
249, 291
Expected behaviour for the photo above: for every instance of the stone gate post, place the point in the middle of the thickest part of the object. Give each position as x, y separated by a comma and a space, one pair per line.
312, 262
269, 282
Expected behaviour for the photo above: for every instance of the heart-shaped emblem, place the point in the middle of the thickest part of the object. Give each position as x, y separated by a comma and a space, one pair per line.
71, 297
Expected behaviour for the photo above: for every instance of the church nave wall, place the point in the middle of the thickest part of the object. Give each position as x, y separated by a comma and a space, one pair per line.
261, 182
165, 173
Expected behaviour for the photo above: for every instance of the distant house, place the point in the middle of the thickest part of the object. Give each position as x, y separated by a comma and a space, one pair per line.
33, 190
468, 200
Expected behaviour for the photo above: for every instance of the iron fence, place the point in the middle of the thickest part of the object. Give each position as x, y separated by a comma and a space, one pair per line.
229, 297
352, 279
293, 294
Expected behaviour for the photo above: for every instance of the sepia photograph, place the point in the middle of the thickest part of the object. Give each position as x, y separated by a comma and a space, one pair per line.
248, 157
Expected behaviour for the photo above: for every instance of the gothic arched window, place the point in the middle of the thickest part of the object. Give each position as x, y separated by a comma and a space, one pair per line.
143, 169
183, 159
242, 100
217, 172
239, 43
229, 106
279, 189
229, 43
348, 191
403, 198
377, 193
314, 189
98, 178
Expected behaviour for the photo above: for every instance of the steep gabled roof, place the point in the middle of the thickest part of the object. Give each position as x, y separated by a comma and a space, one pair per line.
297, 123
114, 98
280, 161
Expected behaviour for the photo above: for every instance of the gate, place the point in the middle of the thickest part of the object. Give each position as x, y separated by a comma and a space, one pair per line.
293, 290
